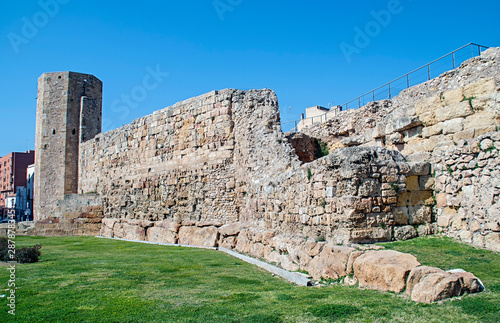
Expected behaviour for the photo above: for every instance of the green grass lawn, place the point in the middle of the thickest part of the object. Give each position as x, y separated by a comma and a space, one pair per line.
86, 279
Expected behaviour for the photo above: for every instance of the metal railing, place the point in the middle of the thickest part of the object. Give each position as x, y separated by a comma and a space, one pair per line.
393, 88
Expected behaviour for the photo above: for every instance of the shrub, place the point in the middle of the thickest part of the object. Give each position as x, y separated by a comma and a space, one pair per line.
23, 255
322, 150
27, 255
4, 249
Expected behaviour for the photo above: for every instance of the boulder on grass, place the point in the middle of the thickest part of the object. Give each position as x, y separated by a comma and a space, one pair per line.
384, 270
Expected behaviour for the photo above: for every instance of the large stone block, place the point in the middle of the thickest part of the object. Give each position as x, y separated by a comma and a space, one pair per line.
404, 233
427, 104
331, 262
453, 126
487, 86
384, 270
160, 234
416, 275
370, 235
129, 231
205, 236
456, 110
436, 286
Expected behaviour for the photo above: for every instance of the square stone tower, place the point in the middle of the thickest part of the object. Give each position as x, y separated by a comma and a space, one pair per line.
69, 111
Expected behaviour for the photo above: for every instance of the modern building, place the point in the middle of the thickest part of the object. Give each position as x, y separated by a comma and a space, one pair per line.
317, 114
13, 174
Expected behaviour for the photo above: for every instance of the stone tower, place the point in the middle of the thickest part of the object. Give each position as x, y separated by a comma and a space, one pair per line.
69, 111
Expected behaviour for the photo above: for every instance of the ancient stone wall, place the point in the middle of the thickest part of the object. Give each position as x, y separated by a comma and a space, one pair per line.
219, 159
468, 189
423, 123
174, 164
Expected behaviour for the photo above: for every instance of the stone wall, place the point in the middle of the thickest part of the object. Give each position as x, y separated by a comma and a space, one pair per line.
220, 159
426, 123
74, 215
468, 189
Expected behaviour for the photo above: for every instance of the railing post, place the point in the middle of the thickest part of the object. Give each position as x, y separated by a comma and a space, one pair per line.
472, 50
407, 81
359, 103
453, 58
390, 96
428, 72
479, 49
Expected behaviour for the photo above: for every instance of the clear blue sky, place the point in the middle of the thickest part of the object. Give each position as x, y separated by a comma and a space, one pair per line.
292, 47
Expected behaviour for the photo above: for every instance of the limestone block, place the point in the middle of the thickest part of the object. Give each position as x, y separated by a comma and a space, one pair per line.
464, 135
288, 264
404, 233
427, 104
353, 141
257, 250
427, 229
160, 234
419, 168
129, 232
169, 225
437, 286
228, 242
483, 87
484, 130
331, 262
492, 241
432, 130
479, 120
441, 200
457, 110
402, 123
370, 235
384, 270
416, 275
196, 236
230, 229
419, 214
453, 126
452, 97
428, 118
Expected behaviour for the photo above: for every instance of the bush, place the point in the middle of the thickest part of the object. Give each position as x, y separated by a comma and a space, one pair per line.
4, 247
23, 255
27, 255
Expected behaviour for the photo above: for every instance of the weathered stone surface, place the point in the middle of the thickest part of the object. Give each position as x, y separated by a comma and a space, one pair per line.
416, 275
161, 234
436, 286
231, 229
331, 262
196, 236
128, 231
384, 270
405, 232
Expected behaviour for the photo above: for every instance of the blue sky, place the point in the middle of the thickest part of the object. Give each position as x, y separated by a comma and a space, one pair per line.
296, 48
